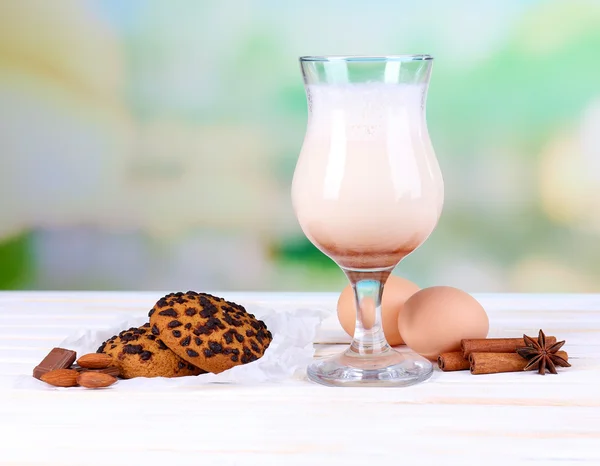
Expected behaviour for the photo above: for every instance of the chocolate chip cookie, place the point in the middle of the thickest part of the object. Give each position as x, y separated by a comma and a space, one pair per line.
208, 331
139, 353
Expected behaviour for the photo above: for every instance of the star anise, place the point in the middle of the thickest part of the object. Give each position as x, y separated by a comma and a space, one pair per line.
541, 355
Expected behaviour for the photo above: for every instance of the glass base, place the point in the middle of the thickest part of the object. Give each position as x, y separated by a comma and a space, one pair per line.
387, 369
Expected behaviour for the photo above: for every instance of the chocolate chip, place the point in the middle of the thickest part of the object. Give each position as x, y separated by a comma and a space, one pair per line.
151, 337
101, 348
176, 333
185, 341
179, 294
245, 359
151, 312
235, 351
212, 323
191, 353
168, 313
174, 324
198, 341
190, 311
203, 330
132, 349
215, 347
239, 337
255, 325
204, 301
155, 330
228, 337
250, 333
190, 367
162, 302
255, 347
235, 358
145, 355
192, 293
208, 353
128, 337
187, 326
181, 365
161, 345
209, 309
113, 346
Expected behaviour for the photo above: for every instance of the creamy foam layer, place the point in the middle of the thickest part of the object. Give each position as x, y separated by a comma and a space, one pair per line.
367, 188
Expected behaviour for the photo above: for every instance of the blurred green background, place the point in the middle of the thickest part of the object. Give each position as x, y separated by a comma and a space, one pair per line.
151, 144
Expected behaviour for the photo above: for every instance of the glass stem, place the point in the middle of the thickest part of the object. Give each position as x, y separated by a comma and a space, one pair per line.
369, 338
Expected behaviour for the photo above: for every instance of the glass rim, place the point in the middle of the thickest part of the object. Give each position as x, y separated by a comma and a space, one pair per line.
366, 58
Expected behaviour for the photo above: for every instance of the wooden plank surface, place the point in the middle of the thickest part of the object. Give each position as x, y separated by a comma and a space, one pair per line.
454, 418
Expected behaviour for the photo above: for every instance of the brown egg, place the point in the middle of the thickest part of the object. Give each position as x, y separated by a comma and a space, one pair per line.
396, 291
436, 319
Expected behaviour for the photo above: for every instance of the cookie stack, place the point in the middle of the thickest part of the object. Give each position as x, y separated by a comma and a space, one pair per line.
189, 334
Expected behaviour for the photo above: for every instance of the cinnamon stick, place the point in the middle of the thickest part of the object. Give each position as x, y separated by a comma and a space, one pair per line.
493, 363
495, 345
453, 361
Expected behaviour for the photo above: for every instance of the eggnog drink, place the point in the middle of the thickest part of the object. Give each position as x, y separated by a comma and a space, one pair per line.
367, 189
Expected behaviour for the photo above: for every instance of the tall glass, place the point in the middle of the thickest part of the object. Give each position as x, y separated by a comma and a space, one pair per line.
367, 191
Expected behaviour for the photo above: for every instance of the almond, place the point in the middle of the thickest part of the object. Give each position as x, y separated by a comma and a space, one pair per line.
110, 370
61, 377
95, 361
89, 379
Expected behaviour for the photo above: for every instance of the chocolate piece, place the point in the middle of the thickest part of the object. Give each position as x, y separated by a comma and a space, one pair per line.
58, 358
174, 324
191, 353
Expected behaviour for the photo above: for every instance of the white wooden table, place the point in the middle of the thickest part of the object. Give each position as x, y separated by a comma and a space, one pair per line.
454, 418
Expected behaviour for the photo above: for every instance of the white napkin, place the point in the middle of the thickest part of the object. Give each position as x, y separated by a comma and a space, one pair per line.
287, 356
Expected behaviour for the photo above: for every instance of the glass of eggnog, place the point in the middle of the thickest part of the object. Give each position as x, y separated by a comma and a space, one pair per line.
367, 191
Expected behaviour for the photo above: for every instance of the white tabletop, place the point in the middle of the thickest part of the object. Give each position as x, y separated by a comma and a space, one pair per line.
454, 418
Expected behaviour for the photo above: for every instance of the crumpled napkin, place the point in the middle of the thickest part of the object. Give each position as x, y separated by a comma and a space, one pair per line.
287, 356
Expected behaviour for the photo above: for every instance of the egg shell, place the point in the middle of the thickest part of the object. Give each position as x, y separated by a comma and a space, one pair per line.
434, 320
395, 293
